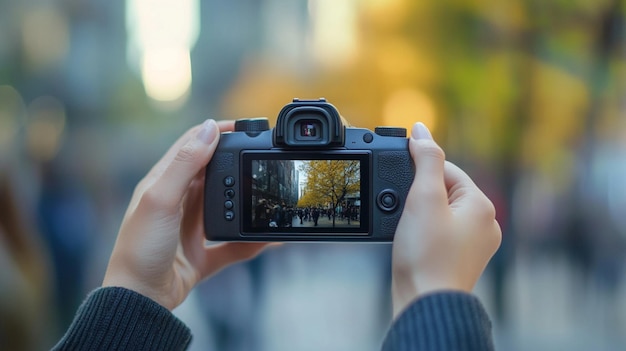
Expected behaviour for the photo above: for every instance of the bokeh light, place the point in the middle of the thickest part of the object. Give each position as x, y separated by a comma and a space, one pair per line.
166, 73
45, 37
334, 32
45, 128
161, 35
406, 106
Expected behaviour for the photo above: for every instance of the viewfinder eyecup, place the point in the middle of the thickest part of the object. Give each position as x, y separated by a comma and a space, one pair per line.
309, 124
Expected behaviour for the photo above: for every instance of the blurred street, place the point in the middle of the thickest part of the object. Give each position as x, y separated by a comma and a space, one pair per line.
549, 309
546, 310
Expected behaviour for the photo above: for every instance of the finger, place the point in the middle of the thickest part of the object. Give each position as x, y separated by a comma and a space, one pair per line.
458, 183
226, 126
191, 221
496, 236
158, 169
428, 185
170, 188
465, 195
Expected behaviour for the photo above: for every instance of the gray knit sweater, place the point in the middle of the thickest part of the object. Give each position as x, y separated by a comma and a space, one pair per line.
121, 319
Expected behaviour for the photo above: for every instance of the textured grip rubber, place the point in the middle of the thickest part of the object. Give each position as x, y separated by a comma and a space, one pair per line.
396, 167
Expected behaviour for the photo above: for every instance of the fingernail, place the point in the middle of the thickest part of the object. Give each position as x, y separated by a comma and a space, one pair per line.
420, 131
207, 132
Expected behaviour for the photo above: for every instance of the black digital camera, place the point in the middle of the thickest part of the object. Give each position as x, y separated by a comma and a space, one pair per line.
310, 178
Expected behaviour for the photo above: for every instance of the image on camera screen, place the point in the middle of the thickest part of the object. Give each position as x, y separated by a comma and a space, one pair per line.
306, 195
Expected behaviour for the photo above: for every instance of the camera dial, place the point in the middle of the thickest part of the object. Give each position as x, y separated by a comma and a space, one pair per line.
252, 125
391, 131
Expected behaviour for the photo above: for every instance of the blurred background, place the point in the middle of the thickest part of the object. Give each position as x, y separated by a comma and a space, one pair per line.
528, 96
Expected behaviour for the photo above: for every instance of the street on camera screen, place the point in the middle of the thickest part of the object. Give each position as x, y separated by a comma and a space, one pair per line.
314, 195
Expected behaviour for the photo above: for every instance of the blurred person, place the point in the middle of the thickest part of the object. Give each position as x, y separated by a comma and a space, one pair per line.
260, 214
68, 224
316, 215
277, 217
445, 237
230, 312
594, 250
499, 269
25, 312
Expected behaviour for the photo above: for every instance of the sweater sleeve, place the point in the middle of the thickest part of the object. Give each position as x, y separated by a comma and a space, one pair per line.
120, 319
441, 321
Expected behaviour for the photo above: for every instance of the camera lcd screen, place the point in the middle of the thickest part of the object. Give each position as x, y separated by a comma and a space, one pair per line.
300, 192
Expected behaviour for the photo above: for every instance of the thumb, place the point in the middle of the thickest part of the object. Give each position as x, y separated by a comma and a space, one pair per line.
190, 158
429, 159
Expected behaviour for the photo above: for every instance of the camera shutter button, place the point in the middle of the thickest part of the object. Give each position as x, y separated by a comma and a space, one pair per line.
391, 131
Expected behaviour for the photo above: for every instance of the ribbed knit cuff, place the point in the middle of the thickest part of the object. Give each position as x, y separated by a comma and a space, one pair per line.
447, 320
120, 319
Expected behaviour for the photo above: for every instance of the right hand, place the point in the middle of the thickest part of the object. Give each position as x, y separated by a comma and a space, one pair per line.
447, 233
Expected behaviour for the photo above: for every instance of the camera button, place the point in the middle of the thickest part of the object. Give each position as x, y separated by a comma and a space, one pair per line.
228, 204
229, 181
229, 193
368, 137
387, 200
229, 215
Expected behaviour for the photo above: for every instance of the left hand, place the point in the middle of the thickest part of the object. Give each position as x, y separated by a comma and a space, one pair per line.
160, 250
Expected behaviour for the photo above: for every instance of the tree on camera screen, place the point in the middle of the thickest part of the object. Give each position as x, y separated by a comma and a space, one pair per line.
306, 193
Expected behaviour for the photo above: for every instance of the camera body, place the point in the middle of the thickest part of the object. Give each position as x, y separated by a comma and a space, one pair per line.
310, 178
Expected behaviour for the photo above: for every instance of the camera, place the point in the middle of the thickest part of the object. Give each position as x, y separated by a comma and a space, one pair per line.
310, 178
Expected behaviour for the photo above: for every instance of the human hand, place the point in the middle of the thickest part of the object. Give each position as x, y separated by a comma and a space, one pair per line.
160, 250
447, 233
